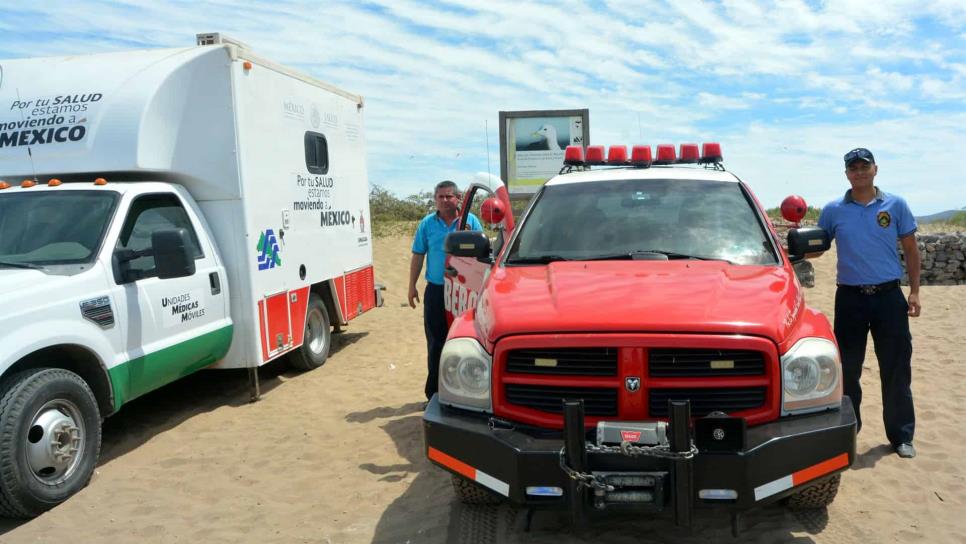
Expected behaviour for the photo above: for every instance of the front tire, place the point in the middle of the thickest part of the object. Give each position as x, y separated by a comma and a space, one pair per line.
317, 339
817, 496
50, 438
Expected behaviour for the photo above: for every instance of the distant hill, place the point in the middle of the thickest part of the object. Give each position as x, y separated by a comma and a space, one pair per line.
941, 216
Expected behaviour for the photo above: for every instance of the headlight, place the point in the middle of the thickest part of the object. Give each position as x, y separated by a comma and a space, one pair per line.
464, 375
810, 376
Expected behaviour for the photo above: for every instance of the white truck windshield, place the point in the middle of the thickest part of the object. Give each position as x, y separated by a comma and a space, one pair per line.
643, 219
46, 227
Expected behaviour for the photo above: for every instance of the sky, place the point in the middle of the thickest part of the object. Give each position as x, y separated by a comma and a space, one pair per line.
786, 87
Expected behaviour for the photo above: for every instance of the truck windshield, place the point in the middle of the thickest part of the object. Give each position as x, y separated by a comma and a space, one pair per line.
46, 227
643, 219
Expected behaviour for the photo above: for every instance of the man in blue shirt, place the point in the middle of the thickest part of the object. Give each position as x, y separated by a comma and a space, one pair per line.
428, 243
865, 225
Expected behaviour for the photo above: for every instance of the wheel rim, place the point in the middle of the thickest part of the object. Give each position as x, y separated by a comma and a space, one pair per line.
55, 441
315, 333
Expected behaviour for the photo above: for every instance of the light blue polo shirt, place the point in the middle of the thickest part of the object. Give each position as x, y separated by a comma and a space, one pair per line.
865, 236
430, 234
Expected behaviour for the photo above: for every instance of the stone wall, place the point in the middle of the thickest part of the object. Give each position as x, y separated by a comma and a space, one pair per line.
943, 260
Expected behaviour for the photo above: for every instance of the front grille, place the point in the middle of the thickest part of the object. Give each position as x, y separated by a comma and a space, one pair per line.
704, 363
705, 401
563, 361
598, 401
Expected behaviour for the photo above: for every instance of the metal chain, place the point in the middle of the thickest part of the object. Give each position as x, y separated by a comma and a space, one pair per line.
626, 448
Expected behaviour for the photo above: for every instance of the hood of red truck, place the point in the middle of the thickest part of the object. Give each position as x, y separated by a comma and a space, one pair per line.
639, 296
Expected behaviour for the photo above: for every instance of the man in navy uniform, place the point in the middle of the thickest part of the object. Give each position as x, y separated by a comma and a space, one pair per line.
865, 225
428, 244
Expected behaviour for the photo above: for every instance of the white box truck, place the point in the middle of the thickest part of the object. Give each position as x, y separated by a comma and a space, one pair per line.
163, 211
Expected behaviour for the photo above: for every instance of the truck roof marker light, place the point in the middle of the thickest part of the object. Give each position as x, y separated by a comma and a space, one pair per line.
574, 155
595, 154
247, 65
689, 154
665, 154
4, 185
100, 181
711, 153
617, 154
641, 155
28, 183
54, 182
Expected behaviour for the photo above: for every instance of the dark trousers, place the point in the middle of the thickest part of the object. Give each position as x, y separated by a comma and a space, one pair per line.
434, 322
885, 314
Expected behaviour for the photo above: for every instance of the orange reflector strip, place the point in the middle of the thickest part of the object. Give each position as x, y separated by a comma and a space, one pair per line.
28, 183
814, 471
100, 181
452, 463
54, 182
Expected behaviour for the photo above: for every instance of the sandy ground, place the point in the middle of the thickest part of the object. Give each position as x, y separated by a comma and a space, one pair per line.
335, 455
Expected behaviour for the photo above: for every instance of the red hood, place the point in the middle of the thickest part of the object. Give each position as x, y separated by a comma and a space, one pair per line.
640, 296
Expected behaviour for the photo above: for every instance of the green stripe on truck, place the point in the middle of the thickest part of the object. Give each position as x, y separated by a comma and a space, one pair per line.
144, 374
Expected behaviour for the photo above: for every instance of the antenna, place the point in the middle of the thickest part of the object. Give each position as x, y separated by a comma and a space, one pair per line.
30, 154
486, 135
640, 133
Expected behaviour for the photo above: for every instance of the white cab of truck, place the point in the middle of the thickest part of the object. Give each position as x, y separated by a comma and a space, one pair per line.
163, 211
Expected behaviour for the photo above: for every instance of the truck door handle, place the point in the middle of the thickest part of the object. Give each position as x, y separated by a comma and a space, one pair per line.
215, 282
451, 272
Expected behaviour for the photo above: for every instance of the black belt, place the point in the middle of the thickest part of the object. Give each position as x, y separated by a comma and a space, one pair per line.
872, 289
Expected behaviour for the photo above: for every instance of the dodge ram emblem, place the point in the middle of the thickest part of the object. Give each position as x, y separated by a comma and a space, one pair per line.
632, 383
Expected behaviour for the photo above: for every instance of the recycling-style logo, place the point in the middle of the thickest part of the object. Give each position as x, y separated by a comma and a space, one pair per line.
268, 249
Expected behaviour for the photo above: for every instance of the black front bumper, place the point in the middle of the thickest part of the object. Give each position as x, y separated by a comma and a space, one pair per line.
778, 459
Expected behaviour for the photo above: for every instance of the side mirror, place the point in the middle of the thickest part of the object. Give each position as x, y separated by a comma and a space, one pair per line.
807, 240
172, 254
468, 243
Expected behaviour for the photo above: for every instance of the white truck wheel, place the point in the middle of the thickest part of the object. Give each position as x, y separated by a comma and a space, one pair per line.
50, 438
318, 337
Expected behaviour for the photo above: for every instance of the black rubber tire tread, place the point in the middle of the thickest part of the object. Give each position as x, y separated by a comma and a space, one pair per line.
817, 496
473, 493
301, 358
16, 391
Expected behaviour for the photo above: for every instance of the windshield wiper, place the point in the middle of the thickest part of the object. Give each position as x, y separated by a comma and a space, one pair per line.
29, 266
651, 255
540, 259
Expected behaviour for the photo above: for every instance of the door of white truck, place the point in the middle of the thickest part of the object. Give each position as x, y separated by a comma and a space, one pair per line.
173, 326
463, 277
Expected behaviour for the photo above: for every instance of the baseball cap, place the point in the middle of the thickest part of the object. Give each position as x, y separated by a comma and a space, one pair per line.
859, 153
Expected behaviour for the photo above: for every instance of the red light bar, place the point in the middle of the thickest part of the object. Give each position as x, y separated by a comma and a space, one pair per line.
711, 153
665, 154
595, 154
617, 154
574, 155
641, 155
689, 154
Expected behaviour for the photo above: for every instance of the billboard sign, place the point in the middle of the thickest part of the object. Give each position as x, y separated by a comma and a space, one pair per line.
532, 145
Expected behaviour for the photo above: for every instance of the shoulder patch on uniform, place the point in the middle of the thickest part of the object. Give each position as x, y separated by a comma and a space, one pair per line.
884, 219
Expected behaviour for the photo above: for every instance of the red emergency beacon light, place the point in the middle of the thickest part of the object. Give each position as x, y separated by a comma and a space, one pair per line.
641, 155
492, 211
689, 154
617, 154
665, 154
794, 208
711, 153
595, 154
574, 155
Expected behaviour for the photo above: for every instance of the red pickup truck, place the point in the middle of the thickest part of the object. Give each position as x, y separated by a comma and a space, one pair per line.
638, 341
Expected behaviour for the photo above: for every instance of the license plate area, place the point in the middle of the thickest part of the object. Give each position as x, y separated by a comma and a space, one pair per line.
637, 490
